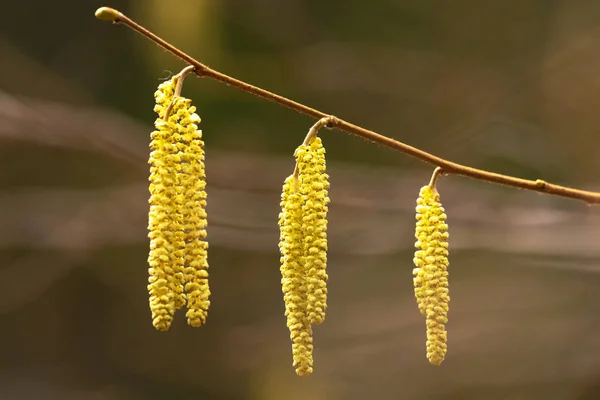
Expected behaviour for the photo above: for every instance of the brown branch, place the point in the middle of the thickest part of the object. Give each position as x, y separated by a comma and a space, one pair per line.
448, 167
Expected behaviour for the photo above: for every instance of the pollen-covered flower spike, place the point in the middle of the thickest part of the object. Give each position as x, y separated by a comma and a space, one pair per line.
431, 272
192, 180
314, 185
293, 282
164, 223
177, 217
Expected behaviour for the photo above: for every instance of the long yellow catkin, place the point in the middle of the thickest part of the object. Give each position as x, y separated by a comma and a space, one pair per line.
165, 231
419, 258
192, 180
431, 272
293, 280
314, 185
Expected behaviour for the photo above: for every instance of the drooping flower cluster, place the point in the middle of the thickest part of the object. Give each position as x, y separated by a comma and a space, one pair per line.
303, 246
177, 219
177, 222
314, 186
431, 272
293, 276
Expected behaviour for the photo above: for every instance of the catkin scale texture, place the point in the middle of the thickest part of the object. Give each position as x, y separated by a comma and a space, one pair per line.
303, 246
293, 281
314, 185
177, 218
192, 177
165, 283
431, 272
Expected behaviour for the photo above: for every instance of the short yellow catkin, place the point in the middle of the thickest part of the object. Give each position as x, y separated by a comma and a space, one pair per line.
314, 185
165, 231
431, 272
293, 280
192, 180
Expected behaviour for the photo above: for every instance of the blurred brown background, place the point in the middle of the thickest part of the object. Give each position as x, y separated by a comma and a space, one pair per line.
511, 86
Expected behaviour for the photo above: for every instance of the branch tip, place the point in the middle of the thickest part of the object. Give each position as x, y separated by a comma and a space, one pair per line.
107, 14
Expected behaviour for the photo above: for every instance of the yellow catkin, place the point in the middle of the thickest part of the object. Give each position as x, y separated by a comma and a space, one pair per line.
192, 179
314, 185
419, 258
165, 258
293, 282
164, 97
431, 272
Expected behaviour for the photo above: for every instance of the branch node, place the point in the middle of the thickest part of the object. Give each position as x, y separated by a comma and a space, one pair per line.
328, 121
541, 184
332, 121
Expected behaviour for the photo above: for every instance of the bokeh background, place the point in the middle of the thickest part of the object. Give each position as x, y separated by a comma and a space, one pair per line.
506, 85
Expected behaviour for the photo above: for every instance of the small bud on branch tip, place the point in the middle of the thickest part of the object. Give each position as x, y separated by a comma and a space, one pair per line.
107, 14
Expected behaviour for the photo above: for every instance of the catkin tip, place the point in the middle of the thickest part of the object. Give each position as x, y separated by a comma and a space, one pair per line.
107, 14
162, 324
304, 371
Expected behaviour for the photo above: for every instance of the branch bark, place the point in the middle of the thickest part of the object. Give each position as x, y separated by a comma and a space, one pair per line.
448, 167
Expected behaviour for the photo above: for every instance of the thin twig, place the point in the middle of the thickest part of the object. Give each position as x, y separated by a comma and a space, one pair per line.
109, 14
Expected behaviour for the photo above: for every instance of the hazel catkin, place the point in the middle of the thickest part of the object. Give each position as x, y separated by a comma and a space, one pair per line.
165, 283
314, 185
192, 180
431, 272
293, 281
178, 265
